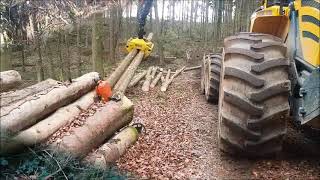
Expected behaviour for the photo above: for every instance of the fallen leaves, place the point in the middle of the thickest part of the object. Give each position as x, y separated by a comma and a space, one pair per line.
78, 121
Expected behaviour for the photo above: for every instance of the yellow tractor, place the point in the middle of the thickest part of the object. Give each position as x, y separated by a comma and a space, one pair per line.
265, 76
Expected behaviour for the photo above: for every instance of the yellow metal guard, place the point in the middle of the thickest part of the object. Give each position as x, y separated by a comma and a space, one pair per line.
140, 44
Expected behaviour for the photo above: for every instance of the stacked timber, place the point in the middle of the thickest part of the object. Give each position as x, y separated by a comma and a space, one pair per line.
9, 79
154, 75
100, 126
22, 111
113, 149
40, 113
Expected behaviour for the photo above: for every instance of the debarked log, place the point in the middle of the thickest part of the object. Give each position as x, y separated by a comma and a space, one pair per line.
96, 129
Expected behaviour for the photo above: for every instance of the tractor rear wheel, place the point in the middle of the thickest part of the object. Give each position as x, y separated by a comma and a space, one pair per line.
212, 82
254, 91
203, 72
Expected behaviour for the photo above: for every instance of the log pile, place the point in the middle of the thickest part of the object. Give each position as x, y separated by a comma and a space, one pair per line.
113, 149
66, 117
100, 126
21, 114
9, 79
154, 75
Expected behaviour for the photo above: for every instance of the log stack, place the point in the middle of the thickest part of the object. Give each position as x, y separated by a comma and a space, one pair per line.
36, 114
98, 127
20, 114
155, 74
9, 79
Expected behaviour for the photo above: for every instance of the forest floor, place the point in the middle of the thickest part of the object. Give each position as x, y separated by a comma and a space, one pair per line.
181, 141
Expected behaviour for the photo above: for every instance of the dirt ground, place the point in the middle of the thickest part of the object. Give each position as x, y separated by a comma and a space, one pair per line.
181, 141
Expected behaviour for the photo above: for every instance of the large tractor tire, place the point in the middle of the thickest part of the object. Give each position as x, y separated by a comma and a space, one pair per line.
212, 83
253, 104
203, 72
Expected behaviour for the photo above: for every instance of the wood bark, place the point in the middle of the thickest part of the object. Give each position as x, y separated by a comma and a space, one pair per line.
18, 97
102, 125
97, 45
111, 151
192, 68
163, 79
154, 72
156, 79
9, 79
135, 80
164, 87
23, 114
41, 131
5, 56
166, 79
125, 79
115, 76
147, 82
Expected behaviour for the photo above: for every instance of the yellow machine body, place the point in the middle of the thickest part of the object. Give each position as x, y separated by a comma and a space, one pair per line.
309, 31
141, 45
269, 20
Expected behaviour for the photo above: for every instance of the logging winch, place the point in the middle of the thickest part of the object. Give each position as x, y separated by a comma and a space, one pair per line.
140, 44
104, 88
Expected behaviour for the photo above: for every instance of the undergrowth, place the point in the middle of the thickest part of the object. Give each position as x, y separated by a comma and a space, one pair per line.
47, 165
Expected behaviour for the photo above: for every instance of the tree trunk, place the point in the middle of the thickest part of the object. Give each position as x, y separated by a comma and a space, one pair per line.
168, 82
79, 61
22, 114
41, 131
115, 76
126, 78
68, 57
135, 80
97, 128
97, 45
156, 80
166, 79
5, 57
192, 68
23, 56
146, 84
61, 61
18, 97
8, 80
40, 71
50, 62
111, 151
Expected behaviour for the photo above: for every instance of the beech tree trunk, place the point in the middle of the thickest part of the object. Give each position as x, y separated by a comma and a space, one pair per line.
18, 97
24, 113
154, 72
137, 78
115, 76
147, 82
97, 44
192, 68
41, 131
156, 80
9, 79
168, 82
102, 125
112, 150
126, 78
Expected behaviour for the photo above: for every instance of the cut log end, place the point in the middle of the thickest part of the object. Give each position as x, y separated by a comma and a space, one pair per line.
102, 125
9, 79
114, 148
